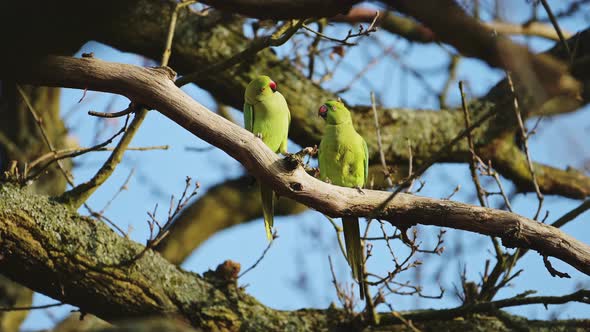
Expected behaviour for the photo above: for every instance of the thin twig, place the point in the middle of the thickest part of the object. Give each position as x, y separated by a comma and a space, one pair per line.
525, 136
410, 165
75, 152
473, 160
172, 27
279, 37
350, 34
557, 28
130, 109
121, 188
43, 306
552, 270
572, 214
274, 236
481, 193
105, 219
39, 122
346, 301
338, 230
380, 143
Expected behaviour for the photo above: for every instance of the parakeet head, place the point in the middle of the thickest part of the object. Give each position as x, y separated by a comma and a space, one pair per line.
334, 112
259, 88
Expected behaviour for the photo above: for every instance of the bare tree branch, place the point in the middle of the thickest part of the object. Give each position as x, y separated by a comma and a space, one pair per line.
452, 25
155, 87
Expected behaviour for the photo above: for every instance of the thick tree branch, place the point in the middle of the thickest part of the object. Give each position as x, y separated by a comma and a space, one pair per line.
284, 9
80, 261
452, 25
154, 87
416, 32
202, 41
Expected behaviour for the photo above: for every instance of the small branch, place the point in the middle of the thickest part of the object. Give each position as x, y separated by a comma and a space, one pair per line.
132, 108
452, 25
36, 307
524, 137
76, 196
164, 229
350, 34
536, 29
473, 161
338, 231
552, 270
279, 37
172, 27
379, 143
346, 300
39, 122
572, 214
121, 188
557, 28
452, 70
582, 296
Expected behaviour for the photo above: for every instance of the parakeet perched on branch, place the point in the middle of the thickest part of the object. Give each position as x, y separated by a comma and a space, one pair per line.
267, 115
344, 161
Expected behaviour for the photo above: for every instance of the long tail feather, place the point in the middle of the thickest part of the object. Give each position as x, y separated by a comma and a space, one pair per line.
267, 209
354, 251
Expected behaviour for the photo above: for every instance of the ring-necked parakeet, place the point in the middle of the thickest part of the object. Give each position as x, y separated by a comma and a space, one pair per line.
344, 161
266, 114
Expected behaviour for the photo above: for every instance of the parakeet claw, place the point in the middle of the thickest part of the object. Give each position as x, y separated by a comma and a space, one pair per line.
313, 171
314, 150
310, 151
360, 190
259, 135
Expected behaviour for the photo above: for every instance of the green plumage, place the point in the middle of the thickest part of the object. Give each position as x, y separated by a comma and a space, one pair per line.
343, 161
267, 115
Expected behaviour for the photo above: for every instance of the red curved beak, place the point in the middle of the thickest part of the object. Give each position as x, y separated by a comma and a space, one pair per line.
323, 111
273, 86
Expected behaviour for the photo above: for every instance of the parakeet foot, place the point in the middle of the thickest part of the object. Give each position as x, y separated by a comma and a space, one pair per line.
360, 190
259, 135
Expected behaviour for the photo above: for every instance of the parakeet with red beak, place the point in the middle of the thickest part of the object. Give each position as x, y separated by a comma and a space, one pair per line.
267, 115
344, 161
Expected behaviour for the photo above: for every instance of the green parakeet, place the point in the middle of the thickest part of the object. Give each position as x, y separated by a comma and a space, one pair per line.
344, 161
267, 115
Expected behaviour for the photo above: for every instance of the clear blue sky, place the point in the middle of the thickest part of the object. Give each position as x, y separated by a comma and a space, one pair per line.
295, 272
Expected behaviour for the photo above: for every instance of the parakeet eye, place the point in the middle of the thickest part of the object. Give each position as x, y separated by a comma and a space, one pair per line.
273, 86
323, 111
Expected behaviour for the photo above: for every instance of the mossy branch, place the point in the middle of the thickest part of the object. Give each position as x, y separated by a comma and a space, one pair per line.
74, 259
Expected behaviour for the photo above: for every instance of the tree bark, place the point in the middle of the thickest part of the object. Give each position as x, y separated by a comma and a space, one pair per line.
81, 261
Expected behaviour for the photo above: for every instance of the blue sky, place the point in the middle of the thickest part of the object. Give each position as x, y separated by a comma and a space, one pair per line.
295, 272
